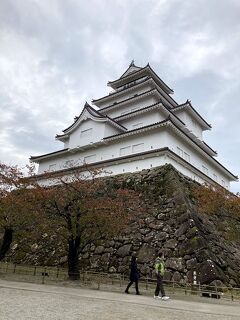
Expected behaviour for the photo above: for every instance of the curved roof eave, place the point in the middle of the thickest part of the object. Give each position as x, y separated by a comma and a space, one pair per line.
95, 115
119, 92
170, 122
47, 155
188, 106
141, 95
114, 84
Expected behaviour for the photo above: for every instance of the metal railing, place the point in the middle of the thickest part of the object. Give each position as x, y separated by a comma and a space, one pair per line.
111, 281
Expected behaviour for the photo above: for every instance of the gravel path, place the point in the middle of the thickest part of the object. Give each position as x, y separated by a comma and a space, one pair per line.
25, 301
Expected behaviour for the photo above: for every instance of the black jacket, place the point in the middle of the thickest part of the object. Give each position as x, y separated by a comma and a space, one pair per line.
134, 274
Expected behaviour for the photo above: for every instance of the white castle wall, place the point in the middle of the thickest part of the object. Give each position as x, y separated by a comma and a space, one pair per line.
135, 165
147, 141
90, 132
131, 106
123, 95
143, 119
191, 123
197, 158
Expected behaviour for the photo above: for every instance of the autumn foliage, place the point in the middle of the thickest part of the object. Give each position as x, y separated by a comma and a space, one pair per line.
215, 199
79, 208
85, 208
16, 203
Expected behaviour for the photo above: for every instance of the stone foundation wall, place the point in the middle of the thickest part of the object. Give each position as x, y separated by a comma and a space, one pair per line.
168, 221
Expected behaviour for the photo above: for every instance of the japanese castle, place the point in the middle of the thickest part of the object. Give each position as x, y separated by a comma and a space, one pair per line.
137, 126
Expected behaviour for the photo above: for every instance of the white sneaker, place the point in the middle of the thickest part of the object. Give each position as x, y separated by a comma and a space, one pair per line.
157, 297
165, 298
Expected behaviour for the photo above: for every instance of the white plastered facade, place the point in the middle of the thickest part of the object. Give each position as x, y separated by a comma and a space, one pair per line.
138, 126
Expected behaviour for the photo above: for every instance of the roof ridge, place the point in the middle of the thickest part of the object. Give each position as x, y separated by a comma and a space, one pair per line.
122, 90
111, 119
135, 96
188, 103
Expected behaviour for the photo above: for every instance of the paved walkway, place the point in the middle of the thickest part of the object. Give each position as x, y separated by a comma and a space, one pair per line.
26, 301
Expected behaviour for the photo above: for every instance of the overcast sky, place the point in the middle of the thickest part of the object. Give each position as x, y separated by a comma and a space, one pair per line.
57, 54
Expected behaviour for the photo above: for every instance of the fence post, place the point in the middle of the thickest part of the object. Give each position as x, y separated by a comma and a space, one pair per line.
35, 271
216, 289
14, 268
232, 296
57, 272
6, 267
98, 282
194, 277
43, 275
173, 285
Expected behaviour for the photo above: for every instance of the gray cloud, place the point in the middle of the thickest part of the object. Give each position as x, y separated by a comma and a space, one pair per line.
57, 54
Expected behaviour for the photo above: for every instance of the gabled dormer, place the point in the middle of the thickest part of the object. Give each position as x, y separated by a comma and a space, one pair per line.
132, 68
89, 128
193, 120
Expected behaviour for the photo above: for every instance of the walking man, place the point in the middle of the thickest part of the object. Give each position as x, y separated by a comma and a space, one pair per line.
134, 275
159, 270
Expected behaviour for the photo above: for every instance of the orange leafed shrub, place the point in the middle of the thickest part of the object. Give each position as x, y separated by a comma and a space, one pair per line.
214, 199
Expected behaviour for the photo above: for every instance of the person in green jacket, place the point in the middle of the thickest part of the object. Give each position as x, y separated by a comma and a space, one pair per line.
159, 270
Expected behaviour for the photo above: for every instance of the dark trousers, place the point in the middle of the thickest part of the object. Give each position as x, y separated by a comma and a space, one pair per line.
159, 287
136, 286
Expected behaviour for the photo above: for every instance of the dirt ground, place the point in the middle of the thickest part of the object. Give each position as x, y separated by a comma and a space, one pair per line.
27, 301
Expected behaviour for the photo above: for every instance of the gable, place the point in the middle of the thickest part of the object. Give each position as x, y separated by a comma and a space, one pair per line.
191, 122
90, 131
131, 69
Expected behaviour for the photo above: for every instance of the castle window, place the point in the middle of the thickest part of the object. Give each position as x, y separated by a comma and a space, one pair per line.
68, 163
125, 150
137, 125
138, 147
205, 169
52, 167
180, 152
134, 109
91, 158
86, 133
194, 124
186, 156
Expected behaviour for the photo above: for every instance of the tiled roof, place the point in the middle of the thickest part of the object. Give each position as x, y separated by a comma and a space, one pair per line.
33, 158
121, 90
169, 119
144, 69
129, 99
95, 113
188, 104
150, 107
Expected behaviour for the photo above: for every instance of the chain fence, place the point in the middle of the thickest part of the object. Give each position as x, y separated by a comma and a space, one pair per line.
111, 281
